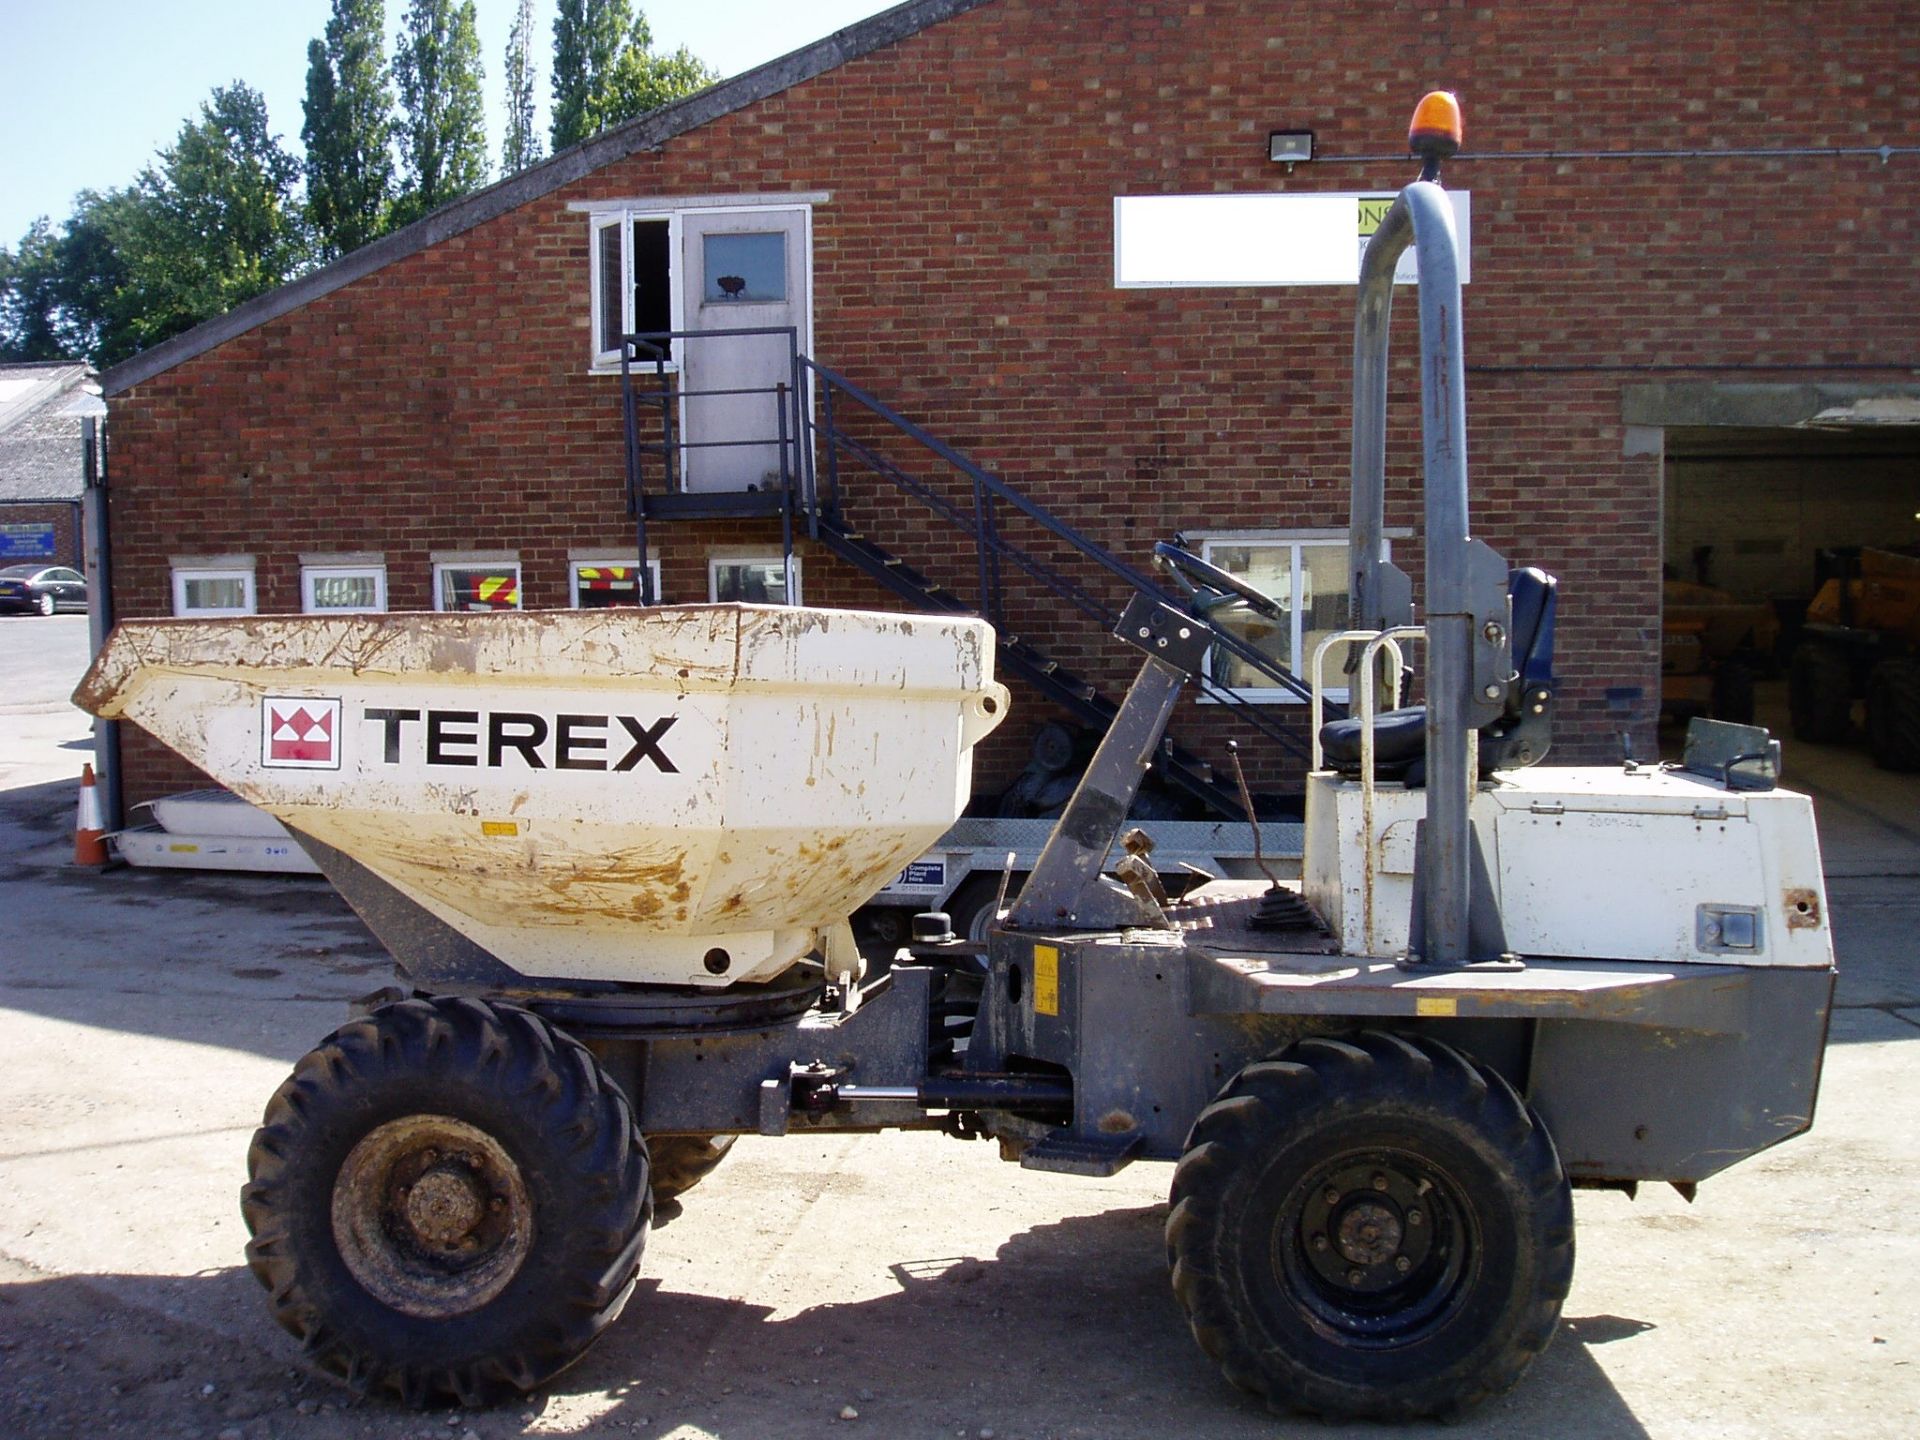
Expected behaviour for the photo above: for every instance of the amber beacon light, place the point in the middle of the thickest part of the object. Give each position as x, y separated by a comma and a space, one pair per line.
1436, 130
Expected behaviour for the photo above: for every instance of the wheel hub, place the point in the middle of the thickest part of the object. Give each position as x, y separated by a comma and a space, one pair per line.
431, 1215
1375, 1240
1369, 1233
445, 1205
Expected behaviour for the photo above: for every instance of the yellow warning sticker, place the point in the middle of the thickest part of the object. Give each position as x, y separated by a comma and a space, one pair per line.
1046, 980
1436, 1005
499, 827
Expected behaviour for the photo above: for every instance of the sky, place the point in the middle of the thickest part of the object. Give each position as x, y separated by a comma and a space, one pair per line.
90, 92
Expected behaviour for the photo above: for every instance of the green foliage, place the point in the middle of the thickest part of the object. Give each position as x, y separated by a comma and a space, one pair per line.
442, 128
29, 277
216, 219
349, 126
644, 81
521, 146
605, 71
216, 223
99, 309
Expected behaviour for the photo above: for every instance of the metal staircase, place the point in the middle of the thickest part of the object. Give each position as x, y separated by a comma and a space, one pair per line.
847, 432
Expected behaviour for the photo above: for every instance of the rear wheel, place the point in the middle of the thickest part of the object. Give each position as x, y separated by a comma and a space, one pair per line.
1893, 714
1819, 694
47, 605
973, 907
1371, 1228
448, 1201
1733, 693
677, 1163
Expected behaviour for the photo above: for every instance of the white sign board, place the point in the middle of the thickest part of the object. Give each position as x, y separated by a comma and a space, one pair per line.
1168, 241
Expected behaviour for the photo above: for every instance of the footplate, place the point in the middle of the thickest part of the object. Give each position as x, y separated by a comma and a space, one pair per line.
1067, 1154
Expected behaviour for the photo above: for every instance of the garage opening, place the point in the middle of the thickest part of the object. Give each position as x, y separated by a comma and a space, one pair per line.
1792, 582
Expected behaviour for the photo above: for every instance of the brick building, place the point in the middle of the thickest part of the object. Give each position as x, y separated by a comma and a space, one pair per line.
1693, 290
43, 406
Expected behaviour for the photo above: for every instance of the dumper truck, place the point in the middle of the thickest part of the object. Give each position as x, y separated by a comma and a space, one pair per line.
613, 855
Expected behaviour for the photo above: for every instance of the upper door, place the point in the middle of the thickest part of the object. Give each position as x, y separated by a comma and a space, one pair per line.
743, 270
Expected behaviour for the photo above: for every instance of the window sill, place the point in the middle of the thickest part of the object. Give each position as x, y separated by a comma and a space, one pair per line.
640, 368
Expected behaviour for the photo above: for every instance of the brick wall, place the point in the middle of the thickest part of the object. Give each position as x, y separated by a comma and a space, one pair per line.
963, 273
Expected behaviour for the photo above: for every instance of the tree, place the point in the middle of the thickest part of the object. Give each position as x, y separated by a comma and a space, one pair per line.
605, 71
98, 306
442, 128
348, 128
521, 146
29, 314
644, 81
216, 223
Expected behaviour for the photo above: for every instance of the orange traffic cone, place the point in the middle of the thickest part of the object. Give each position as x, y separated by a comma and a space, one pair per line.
89, 836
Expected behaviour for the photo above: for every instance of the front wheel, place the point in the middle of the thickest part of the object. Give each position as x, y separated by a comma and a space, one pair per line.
1371, 1228
1819, 694
448, 1201
1733, 693
1893, 714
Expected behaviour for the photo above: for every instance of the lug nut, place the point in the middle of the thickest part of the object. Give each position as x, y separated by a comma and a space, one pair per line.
1331, 1195
1414, 1217
1319, 1242
1380, 1182
1354, 1277
1402, 1264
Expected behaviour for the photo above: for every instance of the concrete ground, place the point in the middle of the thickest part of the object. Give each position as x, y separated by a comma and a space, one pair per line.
146, 1017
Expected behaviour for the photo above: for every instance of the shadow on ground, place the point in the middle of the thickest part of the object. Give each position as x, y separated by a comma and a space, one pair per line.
176, 954
1068, 1332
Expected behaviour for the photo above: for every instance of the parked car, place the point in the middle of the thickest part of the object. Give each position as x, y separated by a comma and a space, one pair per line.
45, 588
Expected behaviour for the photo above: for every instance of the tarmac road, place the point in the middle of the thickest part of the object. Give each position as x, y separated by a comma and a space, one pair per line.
146, 1017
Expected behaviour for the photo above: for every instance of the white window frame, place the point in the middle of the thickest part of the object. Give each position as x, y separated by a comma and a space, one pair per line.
579, 562
310, 573
184, 574
752, 557
601, 214
607, 362
1298, 539
440, 568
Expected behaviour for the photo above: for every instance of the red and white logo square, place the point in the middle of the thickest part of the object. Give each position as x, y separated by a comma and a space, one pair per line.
299, 734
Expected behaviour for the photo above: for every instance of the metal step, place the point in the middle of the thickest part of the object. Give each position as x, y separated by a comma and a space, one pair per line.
1065, 1154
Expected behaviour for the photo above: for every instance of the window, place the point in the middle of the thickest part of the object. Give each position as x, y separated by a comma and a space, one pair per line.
744, 267
477, 585
356, 589
213, 589
752, 579
604, 583
632, 281
1307, 574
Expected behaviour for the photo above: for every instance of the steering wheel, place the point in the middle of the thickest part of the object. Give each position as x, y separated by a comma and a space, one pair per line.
1210, 587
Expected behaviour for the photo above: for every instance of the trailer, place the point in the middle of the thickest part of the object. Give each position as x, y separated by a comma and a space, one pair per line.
614, 856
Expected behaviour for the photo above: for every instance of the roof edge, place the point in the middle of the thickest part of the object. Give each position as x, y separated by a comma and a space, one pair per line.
646, 132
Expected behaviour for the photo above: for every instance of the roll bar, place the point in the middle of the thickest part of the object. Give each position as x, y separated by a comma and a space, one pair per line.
1467, 610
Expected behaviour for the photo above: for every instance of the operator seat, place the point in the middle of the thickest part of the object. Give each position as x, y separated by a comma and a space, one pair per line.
1520, 736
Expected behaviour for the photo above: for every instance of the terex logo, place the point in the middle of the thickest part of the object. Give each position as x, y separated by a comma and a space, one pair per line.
564, 742
300, 734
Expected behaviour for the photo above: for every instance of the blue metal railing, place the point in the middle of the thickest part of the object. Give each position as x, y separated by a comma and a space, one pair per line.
813, 415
